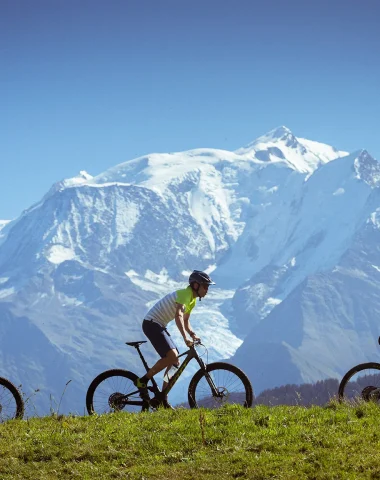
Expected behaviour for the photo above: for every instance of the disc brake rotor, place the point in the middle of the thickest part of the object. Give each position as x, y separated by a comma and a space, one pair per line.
222, 392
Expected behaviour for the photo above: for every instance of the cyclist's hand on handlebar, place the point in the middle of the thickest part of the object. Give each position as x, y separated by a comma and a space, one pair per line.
195, 337
189, 343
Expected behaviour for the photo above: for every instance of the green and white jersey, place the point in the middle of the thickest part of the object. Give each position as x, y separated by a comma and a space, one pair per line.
164, 310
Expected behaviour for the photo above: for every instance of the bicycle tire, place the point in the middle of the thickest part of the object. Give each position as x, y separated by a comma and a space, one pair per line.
11, 402
200, 395
347, 391
112, 382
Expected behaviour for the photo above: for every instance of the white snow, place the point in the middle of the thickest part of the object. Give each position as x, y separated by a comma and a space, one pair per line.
58, 254
126, 219
374, 218
3, 223
324, 152
80, 179
159, 283
5, 292
282, 147
3, 230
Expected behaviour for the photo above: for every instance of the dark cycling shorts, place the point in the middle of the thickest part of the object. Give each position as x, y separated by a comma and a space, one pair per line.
159, 337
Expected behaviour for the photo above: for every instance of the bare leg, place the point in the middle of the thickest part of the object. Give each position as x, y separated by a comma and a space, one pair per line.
165, 362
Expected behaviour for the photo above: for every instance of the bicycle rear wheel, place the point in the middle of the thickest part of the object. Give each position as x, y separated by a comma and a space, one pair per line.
114, 391
232, 386
361, 383
11, 402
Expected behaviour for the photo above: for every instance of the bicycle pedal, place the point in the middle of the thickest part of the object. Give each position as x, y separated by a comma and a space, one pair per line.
154, 402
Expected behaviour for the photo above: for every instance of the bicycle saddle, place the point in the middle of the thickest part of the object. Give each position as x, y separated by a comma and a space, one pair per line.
135, 344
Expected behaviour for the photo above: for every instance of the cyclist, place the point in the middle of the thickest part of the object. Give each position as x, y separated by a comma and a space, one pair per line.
176, 305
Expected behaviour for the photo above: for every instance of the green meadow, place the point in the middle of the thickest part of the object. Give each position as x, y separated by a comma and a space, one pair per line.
283, 442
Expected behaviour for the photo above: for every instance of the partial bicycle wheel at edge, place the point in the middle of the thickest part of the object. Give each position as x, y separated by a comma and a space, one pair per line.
361, 383
111, 391
232, 384
11, 402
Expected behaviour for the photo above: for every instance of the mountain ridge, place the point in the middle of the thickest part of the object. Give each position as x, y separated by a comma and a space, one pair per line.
84, 264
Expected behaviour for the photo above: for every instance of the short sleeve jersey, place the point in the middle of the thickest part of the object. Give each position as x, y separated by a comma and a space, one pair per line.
164, 310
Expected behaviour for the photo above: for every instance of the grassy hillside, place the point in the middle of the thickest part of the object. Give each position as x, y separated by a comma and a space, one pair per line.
333, 442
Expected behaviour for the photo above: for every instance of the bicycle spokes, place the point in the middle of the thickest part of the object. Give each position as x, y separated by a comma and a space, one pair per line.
114, 392
219, 387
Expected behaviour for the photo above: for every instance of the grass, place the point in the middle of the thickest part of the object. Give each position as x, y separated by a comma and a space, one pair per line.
332, 442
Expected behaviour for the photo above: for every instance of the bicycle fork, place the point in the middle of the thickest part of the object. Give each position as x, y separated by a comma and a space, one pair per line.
214, 389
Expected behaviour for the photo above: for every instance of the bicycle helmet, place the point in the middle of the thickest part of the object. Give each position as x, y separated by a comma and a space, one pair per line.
200, 277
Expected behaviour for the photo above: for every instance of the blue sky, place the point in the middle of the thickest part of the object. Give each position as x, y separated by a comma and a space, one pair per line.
85, 85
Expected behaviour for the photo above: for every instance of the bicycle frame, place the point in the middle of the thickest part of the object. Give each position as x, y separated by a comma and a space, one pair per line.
190, 354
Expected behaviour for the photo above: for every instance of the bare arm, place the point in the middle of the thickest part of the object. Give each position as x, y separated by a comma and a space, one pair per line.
186, 322
180, 322
189, 330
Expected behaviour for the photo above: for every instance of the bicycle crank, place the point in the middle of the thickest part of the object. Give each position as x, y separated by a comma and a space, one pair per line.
371, 394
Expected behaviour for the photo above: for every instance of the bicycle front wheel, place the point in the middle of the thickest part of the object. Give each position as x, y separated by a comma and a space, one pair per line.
11, 402
219, 385
114, 391
361, 383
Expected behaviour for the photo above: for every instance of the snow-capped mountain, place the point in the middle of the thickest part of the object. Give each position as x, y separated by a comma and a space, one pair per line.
305, 230
3, 223
79, 269
327, 324
281, 146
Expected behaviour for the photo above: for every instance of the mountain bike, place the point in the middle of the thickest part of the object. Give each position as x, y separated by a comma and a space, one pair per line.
361, 383
212, 386
11, 402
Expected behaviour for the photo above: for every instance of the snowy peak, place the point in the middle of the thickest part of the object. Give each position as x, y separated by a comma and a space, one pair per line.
80, 179
367, 168
157, 171
213, 191
279, 134
282, 147
3, 223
